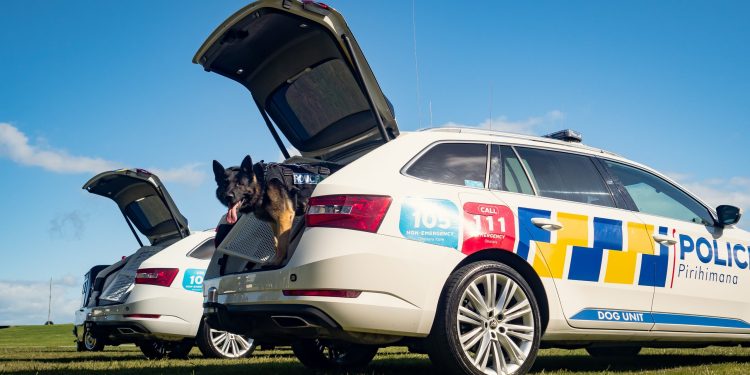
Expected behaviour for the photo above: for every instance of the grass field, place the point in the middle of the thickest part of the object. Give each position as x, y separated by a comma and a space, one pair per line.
50, 350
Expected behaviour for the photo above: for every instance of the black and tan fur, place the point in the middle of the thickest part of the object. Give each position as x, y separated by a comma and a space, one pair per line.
271, 202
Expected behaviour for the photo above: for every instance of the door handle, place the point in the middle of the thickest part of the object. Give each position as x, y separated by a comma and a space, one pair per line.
664, 240
546, 224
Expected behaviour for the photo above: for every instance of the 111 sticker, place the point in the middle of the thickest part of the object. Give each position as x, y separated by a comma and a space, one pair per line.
488, 226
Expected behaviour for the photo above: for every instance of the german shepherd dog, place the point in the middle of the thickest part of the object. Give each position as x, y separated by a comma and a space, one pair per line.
244, 190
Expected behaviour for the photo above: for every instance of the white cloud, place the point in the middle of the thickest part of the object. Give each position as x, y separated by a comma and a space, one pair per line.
15, 145
190, 174
26, 302
530, 125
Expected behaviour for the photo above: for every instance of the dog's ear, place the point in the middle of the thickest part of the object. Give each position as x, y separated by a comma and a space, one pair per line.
259, 172
218, 171
247, 165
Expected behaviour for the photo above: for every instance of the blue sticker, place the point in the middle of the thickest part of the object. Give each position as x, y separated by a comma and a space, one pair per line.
434, 221
193, 279
474, 183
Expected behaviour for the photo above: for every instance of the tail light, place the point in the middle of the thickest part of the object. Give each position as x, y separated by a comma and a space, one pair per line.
143, 316
156, 276
358, 212
340, 293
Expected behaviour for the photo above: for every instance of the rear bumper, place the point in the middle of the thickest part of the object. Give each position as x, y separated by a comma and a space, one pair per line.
114, 333
276, 324
400, 283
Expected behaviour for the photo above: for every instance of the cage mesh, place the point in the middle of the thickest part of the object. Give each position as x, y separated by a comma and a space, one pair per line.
251, 239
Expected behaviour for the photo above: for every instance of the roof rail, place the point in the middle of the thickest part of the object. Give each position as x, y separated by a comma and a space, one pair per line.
535, 138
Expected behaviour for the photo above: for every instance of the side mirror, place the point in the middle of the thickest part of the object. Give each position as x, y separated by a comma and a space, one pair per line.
728, 215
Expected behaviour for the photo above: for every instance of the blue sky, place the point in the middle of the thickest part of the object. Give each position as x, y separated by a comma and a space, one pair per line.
90, 85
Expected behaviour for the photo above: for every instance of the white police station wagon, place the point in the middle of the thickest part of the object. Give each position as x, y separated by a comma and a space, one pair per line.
475, 247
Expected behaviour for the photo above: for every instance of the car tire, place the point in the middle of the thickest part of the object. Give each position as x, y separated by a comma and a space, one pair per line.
319, 354
90, 343
222, 344
613, 351
157, 349
470, 336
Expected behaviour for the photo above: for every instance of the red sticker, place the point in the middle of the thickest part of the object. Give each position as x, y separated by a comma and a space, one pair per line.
488, 226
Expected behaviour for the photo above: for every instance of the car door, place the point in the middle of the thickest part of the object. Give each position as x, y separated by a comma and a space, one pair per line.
572, 231
704, 285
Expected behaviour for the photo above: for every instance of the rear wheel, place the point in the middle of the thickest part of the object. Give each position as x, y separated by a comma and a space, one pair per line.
488, 322
336, 355
158, 349
222, 344
90, 343
613, 351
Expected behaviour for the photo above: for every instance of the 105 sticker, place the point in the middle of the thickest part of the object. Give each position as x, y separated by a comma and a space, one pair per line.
193, 279
433, 221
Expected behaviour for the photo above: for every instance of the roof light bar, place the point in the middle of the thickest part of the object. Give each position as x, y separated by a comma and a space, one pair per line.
567, 135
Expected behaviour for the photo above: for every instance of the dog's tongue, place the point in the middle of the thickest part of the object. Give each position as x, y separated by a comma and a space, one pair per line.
232, 213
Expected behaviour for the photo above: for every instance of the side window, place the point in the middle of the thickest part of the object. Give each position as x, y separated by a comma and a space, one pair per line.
506, 172
204, 251
566, 176
652, 195
462, 164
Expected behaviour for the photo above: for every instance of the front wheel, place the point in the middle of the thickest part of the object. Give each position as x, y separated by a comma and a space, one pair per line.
158, 349
319, 354
222, 344
488, 322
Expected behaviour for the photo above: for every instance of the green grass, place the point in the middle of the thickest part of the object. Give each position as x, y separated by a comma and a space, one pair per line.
50, 350
47, 336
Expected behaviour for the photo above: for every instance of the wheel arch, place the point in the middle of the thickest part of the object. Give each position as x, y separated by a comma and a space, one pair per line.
522, 267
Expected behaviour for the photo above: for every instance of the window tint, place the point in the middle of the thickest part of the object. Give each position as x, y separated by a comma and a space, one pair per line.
653, 195
147, 213
566, 176
506, 172
462, 164
205, 251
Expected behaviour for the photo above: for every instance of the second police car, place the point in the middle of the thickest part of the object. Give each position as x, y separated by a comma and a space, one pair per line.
473, 246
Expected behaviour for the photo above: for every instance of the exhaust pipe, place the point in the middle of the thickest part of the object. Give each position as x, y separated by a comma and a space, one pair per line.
284, 321
126, 331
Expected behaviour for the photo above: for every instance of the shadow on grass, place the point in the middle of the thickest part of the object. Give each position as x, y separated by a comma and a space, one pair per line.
417, 366
643, 362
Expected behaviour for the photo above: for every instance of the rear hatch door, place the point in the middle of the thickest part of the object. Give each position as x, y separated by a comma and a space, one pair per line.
306, 72
144, 201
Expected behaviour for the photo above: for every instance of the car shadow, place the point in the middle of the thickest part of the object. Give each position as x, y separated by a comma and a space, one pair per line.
642, 362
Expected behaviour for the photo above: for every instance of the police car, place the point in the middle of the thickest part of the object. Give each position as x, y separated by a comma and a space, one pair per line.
151, 298
473, 246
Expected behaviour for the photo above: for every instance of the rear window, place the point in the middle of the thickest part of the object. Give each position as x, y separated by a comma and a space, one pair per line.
463, 164
322, 101
566, 176
147, 213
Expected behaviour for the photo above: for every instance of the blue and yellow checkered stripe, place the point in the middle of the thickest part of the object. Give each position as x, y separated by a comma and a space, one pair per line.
585, 260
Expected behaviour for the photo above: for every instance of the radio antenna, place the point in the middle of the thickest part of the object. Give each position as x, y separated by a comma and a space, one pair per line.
416, 61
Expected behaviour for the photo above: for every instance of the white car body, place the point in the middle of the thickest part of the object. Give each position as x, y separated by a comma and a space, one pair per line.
171, 313
402, 279
153, 297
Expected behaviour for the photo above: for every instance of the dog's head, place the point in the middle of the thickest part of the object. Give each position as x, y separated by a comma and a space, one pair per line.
238, 188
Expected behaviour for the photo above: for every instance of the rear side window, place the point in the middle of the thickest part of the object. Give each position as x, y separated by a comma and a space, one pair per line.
205, 251
506, 171
652, 195
566, 176
463, 164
